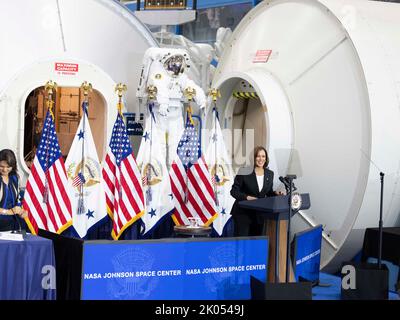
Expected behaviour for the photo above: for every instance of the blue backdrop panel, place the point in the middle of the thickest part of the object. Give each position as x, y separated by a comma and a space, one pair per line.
173, 269
307, 254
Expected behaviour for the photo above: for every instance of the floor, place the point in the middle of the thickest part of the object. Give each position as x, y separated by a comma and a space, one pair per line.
329, 288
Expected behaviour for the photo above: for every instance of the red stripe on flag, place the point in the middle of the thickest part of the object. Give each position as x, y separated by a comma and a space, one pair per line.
109, 203
178, 217
64, 195
111, 164
200, 191
125, 213
60, 213
50, 212
37, 207
130, 197
205, 179
179, 176
197, 210
108, 182
178, 198
37, 196
117, 221
135, 180
38, 181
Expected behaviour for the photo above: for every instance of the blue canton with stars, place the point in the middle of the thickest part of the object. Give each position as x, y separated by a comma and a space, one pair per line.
48, 151
189, 146
119, 143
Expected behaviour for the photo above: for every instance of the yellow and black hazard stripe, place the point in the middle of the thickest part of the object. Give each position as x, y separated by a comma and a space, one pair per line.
245, 95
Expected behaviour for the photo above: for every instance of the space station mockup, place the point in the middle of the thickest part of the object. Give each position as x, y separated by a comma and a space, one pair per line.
321, 77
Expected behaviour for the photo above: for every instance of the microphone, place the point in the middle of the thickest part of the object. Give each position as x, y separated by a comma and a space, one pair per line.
17, 222
20, 230
286, 183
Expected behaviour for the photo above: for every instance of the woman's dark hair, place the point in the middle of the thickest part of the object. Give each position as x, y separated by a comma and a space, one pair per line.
8, 156
256, 151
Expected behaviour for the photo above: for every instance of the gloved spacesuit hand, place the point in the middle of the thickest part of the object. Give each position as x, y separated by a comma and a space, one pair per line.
163, 110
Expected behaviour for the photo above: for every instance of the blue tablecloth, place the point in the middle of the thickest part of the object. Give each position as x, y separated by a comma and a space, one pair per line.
21, 267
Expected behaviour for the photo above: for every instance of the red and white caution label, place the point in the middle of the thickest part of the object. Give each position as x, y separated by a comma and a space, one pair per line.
262, 56
66, 68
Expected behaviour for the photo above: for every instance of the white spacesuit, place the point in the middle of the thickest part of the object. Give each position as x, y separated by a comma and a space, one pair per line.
164, 68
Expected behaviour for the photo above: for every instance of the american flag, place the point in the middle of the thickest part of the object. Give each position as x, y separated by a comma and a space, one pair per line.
78, 180
191, 182
124, 193
46, 197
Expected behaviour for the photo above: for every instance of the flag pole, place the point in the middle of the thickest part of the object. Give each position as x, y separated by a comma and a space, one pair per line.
86, 88
215, 93
49, 88
152, 92
120, 88
189, 94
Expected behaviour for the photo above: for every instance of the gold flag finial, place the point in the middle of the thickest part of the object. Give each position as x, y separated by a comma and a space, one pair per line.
190, 93
50, 86
152, 92
120, 88
86, 88
214, 93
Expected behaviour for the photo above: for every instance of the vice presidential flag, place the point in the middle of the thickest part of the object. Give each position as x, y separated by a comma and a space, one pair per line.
155, 177
191, 182
46, 195
122, 181
85, 179
219, 166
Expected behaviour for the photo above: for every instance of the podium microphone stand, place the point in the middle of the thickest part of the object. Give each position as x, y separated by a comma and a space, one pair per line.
380, 223
290, 179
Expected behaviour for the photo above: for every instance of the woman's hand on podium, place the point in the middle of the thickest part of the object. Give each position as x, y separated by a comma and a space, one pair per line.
250, 198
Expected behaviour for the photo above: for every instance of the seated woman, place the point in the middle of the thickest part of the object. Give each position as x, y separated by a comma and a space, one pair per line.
250, 186
10, 209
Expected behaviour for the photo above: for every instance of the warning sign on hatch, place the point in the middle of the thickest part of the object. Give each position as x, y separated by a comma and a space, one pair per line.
66, 68
262, 56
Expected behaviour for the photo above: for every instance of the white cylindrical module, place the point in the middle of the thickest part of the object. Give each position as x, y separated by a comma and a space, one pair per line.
327, 75
67, 41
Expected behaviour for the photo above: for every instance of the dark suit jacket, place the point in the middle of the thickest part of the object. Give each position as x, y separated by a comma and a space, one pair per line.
13, 184
246, 185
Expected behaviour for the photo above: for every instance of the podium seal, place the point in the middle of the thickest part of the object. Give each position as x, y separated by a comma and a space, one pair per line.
296, 201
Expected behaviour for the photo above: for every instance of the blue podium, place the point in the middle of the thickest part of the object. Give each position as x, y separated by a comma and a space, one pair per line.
275, 212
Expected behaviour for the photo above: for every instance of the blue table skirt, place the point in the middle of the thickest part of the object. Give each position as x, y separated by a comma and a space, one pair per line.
21, 267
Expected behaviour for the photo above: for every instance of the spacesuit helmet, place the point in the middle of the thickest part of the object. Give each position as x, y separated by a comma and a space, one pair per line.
175, 64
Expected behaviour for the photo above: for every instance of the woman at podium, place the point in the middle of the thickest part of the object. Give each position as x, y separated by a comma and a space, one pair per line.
251, 184
9, 192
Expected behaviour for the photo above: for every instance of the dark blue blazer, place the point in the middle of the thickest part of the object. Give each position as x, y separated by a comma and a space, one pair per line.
246, 185
13, 183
